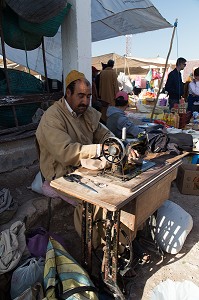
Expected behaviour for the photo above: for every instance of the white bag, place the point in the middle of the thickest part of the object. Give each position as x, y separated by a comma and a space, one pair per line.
173, 224
37, 183
170, 290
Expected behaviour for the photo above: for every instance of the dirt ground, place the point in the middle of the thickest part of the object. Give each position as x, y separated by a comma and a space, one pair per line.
180, 267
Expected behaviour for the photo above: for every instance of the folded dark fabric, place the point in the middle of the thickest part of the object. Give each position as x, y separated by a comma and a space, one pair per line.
157, 141
183, 140
175, 143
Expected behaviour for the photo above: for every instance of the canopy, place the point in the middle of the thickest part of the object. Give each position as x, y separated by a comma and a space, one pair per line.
110, 18
116, 17
131, 65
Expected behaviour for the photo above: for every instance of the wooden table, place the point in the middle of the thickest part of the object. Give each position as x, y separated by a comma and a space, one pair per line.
131, 202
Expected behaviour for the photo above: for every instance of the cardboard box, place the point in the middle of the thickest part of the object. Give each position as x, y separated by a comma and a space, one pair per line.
188, 179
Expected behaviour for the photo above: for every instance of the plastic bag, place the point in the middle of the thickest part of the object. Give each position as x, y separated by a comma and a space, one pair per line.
26, 275
37, 183
172, 227
33, 293
170, 290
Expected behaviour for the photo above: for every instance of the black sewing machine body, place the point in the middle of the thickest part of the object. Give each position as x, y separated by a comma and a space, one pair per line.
117, 151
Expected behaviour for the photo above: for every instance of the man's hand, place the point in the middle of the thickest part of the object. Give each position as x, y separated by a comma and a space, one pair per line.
133, 156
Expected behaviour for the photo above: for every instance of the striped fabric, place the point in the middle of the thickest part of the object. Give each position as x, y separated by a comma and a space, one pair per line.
62, 273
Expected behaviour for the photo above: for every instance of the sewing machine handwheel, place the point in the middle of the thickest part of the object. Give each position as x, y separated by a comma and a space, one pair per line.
113, 150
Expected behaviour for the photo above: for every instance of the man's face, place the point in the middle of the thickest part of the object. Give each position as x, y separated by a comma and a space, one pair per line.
80, 99
182, 66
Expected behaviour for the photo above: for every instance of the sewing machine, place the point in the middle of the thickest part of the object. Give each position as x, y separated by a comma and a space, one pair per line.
116, 151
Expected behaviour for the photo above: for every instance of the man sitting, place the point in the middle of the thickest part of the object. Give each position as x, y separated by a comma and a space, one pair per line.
69, 131
117, 119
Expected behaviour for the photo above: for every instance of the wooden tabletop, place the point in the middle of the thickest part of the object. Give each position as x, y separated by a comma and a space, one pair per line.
113, 193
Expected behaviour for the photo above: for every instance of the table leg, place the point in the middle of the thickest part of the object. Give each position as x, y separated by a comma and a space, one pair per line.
111, 253
86, 234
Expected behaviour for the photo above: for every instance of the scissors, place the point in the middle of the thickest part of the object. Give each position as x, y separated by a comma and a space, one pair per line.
77, 178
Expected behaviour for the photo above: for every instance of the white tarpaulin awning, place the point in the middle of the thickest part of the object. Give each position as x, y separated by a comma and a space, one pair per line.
110, 18
130, 62
122, 17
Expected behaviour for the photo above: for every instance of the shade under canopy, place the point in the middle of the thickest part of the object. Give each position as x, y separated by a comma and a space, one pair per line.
110, 18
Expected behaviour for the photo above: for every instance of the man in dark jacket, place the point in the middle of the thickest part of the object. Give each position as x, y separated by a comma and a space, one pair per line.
174, 85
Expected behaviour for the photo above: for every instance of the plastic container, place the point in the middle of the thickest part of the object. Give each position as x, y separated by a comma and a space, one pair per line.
195, 159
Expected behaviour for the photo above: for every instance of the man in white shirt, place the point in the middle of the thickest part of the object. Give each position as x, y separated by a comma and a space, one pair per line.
193, 98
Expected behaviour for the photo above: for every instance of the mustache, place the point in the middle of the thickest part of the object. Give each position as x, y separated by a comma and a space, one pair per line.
82, 105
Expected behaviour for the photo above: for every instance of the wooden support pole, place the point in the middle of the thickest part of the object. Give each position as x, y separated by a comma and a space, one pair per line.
161, 82
4, 54
5, 68
45, 68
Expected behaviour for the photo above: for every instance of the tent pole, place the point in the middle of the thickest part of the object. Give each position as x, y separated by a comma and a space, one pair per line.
4, 55
44, 60
161, 82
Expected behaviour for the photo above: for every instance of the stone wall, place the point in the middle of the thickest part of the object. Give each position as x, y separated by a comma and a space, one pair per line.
17, 153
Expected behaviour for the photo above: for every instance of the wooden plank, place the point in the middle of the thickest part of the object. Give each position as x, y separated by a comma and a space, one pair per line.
108, 197
10, 100
114, 194
141, 181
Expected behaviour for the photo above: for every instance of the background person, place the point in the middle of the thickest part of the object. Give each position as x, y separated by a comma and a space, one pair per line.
117, 119
194, 92
174, 85
108, 86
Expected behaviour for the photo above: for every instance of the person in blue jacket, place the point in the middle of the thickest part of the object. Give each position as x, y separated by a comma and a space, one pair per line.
117, 119
174, 85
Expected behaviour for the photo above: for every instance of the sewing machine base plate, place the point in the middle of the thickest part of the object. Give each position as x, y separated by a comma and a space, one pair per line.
130, 172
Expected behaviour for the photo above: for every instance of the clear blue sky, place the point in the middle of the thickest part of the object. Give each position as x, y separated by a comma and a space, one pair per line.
156, 43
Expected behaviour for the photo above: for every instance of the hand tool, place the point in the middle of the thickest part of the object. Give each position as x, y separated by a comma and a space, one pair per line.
77, 178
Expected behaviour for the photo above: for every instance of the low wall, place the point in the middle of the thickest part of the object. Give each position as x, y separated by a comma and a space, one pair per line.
17, 153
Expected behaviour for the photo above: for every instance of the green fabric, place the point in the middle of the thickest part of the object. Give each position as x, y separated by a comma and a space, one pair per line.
16, 37
21, 83
48, 28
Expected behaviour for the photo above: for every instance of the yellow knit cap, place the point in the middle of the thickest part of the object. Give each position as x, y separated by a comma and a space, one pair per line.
72, 76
